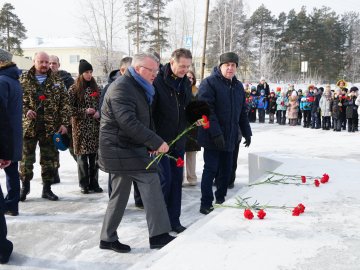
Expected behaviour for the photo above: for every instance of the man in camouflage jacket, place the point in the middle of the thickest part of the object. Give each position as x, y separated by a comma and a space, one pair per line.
46, 111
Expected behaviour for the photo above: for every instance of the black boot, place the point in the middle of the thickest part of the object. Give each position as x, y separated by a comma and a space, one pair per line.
56, 176
48, 194
161, 240
25, 190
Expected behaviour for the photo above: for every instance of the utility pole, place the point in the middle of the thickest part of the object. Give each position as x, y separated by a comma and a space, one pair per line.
205, 37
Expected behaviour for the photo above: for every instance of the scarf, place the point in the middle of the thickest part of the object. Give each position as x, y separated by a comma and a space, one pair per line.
149, 88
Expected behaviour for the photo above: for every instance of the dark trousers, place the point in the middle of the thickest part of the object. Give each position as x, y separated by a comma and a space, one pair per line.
88, 171
5, 244
271, 118
261, 113
171, 178
234, 163
281, 117
337, 124
216, 164
13, 187
252, 115
343, 118
351, 124
307, 118
326, 122
315, 120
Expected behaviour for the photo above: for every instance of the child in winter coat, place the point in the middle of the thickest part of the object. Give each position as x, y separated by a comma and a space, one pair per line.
325, 102
305, 106
336, 106
282, 103
351, 109
293, 107
252, 105
272, 106
262, 105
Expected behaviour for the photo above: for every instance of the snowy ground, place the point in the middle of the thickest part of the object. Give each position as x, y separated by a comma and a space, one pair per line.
65, 234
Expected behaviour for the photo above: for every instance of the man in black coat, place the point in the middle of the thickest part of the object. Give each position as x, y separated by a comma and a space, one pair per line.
125, 143
225, 96
10, 144
173, 94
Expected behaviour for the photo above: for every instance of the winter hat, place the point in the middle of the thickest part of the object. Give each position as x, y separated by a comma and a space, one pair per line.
5, 56
253, 88
84, 66
262, 79
344, 89
262, 91
294, 93
229, 57
354, 89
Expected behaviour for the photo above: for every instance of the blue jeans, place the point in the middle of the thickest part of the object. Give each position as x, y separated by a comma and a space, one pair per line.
216, 164
13, 187
171, 178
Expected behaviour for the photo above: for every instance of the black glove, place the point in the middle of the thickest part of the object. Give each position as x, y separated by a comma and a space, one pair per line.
219, 142
247, 141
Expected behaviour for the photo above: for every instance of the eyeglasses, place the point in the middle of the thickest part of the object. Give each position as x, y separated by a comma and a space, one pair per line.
153, 71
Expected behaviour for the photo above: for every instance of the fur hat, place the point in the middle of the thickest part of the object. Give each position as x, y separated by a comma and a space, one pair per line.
84, 66
229, 57
5, 56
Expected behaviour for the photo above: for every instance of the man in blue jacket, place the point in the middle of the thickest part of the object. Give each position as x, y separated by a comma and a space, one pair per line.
10, 144
172, 95
225, 96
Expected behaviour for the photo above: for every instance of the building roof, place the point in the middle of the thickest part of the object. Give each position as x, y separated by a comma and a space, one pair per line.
39, 42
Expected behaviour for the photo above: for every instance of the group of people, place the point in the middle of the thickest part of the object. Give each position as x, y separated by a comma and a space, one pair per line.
120, 129
316, 107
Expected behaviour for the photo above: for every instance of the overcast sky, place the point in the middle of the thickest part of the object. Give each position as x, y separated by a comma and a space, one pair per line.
60, 18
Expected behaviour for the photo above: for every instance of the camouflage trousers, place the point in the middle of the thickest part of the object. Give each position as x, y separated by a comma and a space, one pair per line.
71, 150
48, 154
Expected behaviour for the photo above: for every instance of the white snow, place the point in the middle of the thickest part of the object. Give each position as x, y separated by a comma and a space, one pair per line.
65, 234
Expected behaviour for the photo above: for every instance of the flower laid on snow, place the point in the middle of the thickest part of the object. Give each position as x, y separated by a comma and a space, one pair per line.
243, 203
292, 179
248, 214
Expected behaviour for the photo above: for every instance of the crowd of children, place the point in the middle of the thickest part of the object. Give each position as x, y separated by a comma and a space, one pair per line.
315, 107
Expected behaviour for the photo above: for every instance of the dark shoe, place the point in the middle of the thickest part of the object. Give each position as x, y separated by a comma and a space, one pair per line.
231, 186
12, 213
220, 201
115, 246
56, 177
6, 252
96, 190
179, 229
25, 190
206, 210
161, 240
48, 194
84, 190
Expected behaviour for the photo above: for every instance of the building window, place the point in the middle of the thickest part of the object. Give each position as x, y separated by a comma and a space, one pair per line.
74, 59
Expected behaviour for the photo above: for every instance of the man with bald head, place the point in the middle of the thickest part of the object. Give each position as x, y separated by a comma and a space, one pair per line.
46, 111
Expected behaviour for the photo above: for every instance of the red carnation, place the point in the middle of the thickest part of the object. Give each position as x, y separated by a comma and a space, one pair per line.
296, 211
261, 214
301, 208
42, 97
325, 178
206, 123
303, 179
248, 214
317, 182
94, 94
179, 162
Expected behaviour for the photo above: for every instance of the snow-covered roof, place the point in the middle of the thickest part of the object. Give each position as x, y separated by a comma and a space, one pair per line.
69, 42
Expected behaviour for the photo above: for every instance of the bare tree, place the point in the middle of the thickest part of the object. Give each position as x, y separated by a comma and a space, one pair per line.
103, 26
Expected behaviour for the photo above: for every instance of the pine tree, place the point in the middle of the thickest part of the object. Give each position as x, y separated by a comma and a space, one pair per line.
136, 21
12, 31
157, 36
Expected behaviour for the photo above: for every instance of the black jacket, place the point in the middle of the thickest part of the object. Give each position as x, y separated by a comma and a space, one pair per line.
126, 132
67, 78
226, 99
172, 95
265, 87
112, 77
